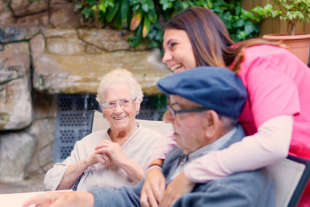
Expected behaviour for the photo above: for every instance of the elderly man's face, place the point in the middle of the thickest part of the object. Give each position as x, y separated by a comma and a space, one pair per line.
120, 117
188, 127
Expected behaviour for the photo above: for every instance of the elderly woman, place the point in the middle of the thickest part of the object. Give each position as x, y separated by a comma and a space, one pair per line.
113, 157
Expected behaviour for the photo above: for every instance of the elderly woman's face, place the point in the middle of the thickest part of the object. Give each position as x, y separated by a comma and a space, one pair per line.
121, 117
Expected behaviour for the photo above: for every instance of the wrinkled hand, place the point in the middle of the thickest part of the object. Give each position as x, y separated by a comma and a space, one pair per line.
113, 151
153, 188
102, 158
175, 189
58, 199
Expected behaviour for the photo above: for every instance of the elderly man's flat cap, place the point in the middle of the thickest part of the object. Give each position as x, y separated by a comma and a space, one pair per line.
215, 88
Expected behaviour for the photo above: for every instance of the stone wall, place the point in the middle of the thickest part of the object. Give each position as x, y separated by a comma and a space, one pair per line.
44, 51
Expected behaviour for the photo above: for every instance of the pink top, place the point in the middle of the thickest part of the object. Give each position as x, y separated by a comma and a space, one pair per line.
278, 84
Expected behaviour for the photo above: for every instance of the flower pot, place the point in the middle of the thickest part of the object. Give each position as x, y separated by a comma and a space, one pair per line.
298, 44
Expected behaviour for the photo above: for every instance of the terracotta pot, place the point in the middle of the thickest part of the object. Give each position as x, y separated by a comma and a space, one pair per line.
298, 44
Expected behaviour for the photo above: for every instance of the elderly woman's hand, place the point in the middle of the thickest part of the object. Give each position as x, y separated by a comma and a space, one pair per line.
117, 156
102, 158
113, 151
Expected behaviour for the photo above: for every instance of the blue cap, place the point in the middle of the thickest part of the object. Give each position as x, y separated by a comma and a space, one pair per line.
215, 88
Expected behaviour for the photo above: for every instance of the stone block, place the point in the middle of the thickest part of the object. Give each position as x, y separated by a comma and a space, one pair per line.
44, 132
65, 46
63, 14
33, 20
81, 73
15, 33
108, 39
65, 67
6, 16
22, 7
65, 33
15, 98
16, 153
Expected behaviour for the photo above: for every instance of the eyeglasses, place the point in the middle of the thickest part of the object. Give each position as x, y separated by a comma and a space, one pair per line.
112, 105
174, 112
181, 111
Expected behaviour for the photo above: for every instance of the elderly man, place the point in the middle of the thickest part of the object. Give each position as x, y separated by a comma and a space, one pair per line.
204, 105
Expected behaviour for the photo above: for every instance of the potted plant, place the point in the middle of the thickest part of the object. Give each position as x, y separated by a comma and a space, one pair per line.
293, 12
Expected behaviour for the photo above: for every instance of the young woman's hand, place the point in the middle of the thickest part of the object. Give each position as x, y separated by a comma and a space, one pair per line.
153, 188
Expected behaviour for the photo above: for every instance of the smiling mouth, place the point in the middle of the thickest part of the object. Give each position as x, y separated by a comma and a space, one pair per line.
119, 118
176, 68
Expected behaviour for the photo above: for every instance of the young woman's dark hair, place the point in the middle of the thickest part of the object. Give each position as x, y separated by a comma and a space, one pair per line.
212, 45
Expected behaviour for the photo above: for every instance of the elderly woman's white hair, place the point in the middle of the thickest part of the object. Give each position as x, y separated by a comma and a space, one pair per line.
116, 77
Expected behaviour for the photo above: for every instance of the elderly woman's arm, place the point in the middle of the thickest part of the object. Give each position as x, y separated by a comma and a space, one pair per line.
117, 156
74, 171
63, 175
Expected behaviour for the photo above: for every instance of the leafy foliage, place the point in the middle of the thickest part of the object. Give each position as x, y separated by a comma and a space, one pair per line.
293, 11
147, 17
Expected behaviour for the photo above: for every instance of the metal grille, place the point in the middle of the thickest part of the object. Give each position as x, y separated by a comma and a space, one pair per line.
75, 115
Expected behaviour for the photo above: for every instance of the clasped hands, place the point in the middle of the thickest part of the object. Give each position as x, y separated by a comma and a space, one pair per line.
107, 152
155, 193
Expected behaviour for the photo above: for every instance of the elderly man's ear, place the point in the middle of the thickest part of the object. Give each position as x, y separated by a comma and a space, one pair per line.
212, 124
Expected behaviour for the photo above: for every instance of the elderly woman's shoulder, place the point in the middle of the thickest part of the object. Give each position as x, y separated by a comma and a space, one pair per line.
147, 132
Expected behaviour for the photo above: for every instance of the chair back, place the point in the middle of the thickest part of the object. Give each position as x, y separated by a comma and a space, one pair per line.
290, 177
100, 123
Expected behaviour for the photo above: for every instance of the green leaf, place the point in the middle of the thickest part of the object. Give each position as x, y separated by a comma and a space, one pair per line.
118, 20
124, 11
138, 38
146, 26
210, 5
136, 19
152, 15
249, 27
239, 23
112, 11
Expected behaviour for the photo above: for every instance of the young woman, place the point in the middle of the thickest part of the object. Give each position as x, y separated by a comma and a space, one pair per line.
276, 116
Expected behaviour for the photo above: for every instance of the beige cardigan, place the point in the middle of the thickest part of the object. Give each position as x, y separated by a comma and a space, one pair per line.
138, 148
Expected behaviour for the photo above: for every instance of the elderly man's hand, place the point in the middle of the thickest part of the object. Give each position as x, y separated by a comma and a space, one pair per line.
153, 188
60, 199
176, 188
113, 151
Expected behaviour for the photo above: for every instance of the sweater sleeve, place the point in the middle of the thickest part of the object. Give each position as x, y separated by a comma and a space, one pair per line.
163, 146
122, 197
55, 174
269, 145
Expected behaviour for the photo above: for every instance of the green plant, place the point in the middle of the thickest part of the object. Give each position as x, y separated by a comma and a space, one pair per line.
291, 11
147, 17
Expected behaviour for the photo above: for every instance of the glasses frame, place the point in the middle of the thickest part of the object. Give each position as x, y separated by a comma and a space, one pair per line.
116, 102
181, 111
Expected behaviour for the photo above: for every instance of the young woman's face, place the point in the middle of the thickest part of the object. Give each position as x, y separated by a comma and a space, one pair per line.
179, 55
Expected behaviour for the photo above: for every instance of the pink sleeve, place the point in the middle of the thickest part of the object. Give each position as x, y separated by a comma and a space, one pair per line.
163, 146
272, 95
269, 145
271, 92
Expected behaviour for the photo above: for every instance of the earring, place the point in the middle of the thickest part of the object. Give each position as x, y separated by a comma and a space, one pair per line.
137, 112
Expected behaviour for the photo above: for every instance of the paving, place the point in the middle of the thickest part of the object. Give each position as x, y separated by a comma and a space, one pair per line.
32, 183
